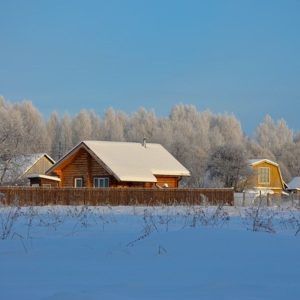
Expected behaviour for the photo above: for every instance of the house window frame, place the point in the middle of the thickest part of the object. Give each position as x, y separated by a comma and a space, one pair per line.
46, 185
75, 182
262, 175
100, 178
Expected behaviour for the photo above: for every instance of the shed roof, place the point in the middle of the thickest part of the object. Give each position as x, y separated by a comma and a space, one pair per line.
131, 161
294, 184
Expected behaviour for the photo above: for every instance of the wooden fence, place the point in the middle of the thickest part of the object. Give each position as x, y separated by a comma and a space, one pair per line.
27, 196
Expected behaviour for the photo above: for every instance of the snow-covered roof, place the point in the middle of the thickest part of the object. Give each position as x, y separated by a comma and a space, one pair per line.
131, 161
260, 160
294, 184
54, 178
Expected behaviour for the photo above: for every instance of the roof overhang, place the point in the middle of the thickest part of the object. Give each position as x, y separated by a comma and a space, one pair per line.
168, 173
54, 178
259, 161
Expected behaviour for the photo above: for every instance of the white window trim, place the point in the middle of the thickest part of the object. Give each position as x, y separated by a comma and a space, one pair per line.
75, 182
259, 176
101, 178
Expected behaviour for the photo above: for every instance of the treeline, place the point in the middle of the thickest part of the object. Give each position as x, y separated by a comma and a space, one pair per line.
212, 146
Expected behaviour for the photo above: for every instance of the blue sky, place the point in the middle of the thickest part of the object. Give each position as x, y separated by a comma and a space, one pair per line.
227, 56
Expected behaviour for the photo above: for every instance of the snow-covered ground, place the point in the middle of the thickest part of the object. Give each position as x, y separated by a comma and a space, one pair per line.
72, 253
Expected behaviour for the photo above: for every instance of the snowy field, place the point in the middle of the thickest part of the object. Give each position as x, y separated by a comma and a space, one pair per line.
72, 253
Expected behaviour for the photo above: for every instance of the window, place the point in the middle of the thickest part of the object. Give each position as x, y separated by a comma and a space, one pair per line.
46, 185
264, 175
101, 182
78, 182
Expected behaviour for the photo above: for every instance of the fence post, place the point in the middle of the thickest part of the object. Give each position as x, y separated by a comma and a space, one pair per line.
260, 199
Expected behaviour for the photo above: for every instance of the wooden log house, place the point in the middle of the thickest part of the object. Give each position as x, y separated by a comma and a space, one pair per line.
118, 164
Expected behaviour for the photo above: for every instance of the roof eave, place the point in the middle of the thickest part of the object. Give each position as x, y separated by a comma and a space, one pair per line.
263, 160
179, 174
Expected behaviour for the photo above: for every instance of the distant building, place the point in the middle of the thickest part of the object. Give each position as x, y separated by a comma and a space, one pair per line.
104, 164
16, 171
294, 186
266, 177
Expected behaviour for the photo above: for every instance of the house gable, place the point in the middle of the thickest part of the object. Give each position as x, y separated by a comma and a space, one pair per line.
40, 166
275, 181
82, 165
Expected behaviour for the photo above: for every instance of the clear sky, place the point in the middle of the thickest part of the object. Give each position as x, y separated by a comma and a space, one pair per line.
238, 56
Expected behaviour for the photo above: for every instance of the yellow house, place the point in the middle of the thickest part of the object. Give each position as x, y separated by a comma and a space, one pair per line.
266, 176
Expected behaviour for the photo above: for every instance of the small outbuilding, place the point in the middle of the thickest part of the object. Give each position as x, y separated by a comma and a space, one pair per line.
17, 170
266, 177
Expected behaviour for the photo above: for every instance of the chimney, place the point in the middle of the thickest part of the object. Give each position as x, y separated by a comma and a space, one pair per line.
144, 144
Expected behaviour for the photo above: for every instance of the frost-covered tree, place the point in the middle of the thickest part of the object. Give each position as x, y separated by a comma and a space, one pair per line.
11, 137
54, 132
290, 156
297, 137
226, 129
35, 138
186, 135
141, 124
266, 133
95, 126
22, 131
273, 135
81, 127
114, 125
254, 150
65, 134
229, 165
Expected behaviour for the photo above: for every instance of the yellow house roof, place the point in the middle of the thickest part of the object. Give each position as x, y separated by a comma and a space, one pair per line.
257, 161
